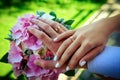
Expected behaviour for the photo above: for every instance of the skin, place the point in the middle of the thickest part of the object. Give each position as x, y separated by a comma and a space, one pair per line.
89, 43
47, 38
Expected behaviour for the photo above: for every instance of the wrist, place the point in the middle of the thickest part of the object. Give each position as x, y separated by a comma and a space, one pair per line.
110, 24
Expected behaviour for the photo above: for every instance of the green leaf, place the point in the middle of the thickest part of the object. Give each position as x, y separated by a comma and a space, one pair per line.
10, 38
4, 58
68, 27
61, 20
52, 13
70, 73
68, 22
22, 77
40, 13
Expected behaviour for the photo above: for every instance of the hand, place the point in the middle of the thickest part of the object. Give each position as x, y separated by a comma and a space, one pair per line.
52, 29
83, 45
48, 30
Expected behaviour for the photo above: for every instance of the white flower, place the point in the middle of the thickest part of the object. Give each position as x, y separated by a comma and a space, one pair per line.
47, 16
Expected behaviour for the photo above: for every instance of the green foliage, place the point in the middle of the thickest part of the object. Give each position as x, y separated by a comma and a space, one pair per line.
67, 23
22, 77
10, 38
94, 1
10, 9
52, 13
40, 13
70, 73
4, 58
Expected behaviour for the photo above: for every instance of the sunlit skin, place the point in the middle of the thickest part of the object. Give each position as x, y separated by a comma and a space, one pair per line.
88, 41
48, 39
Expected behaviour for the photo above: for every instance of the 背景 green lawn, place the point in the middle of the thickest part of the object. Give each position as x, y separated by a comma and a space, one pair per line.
80, 11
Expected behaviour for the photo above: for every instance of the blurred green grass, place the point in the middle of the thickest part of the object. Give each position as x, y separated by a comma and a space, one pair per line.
73, 9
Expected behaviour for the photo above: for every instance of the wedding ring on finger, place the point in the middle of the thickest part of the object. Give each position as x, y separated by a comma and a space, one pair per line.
57, 28
72, 38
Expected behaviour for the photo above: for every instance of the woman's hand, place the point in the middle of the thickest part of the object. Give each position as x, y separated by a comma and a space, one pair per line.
51, 30
83, 45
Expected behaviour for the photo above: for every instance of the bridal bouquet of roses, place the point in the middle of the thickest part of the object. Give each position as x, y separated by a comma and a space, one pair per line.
25, 48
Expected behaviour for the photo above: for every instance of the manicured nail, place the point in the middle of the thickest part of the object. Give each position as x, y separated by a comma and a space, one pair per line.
55, 39
57, 65
67, 68
82, 63
55, 58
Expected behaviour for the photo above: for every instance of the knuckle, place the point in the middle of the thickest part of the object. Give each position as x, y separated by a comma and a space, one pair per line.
46, 27
41, 35
65, 44
54, 24
36, 22
88, 44
81, 37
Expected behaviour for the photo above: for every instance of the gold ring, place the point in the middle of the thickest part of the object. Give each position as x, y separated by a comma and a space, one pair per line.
72, 38
58, 28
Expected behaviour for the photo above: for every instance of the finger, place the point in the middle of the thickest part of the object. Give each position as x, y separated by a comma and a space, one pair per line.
42, 36
46, 28
69, 51
61, 49
47, 64
91, 54
64, 35
54, 25
83, 49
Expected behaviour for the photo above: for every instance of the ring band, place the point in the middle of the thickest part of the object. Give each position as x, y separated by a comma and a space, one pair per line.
72, 38
58, 28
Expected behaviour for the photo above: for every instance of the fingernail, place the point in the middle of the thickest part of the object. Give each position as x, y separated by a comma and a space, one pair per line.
82, 63
55, 58
57, 65
55, 39
67, 68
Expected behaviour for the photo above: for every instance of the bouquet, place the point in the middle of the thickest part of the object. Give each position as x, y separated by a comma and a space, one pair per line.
25, 48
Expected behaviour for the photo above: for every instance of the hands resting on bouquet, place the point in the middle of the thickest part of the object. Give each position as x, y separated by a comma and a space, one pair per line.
73, 48
48, 31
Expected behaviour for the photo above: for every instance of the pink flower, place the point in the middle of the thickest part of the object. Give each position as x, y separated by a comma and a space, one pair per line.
16, 69
14, 54
19, 31
34, 70
32, 43
25, 48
